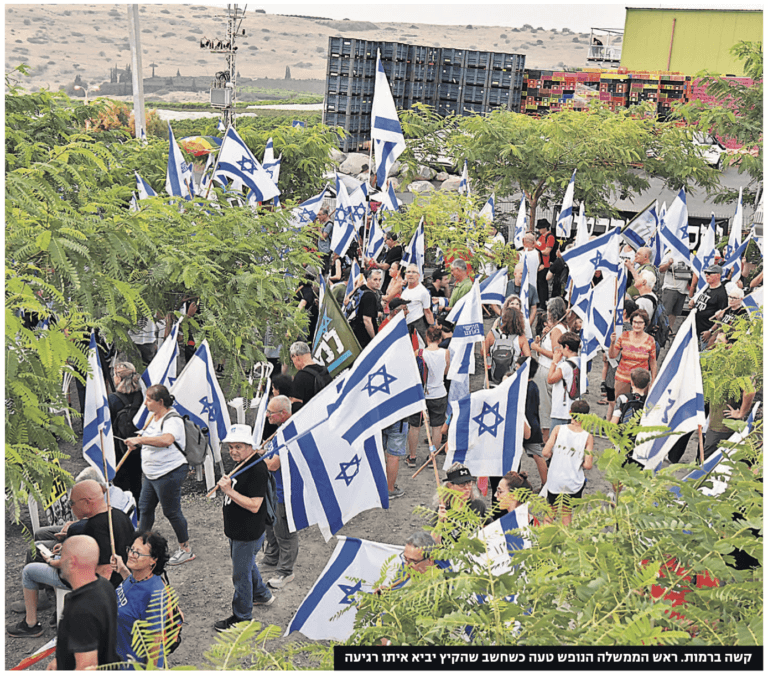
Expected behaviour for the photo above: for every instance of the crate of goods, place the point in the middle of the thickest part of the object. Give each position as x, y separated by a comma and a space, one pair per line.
498, 97
500, 78
517, 80
447, 108
420, 90
394, 51
336, 84
425, 72
362, 68
336, 103
397, 87
476, 76
448, 92
451, 74
353, 123
454, 57
339, 47
335, 119
422, 54
338, 65
358, 104
395, 70
503, 61
478, 59
474, 108
473, 94
533, 74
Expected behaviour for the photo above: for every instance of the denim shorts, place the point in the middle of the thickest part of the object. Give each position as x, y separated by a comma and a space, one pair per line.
394, 438
533, 449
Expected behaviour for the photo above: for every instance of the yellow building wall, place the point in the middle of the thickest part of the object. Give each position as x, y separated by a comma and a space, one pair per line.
702, 39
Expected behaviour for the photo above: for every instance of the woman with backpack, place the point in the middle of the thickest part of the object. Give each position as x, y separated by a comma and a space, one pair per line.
165, 468
123, 404
505, 343
637, 349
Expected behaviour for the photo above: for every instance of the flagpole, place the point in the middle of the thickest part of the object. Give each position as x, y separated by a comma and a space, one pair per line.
637, 215
128, 452
109, 501
429, 459
701, 446
485, 366
432, 450
240, 466
216, 165
615, 300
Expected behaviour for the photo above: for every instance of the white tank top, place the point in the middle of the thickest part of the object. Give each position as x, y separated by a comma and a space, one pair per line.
435, 361
544, 361
566, 474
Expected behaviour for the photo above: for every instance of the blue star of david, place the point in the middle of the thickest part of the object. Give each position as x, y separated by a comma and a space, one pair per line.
350, 591
707, 260
209, 407
345, 213
665, 417
345, 467
597, 259
359, 211
383, 387
480, 419
323, 326
307, 215
246, 165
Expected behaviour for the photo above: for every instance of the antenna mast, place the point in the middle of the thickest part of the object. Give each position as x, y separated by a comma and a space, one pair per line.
224, 85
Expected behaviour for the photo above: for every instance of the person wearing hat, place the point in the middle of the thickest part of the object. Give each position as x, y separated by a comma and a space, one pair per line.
712, 299
544, 244
395, 306
458, 478
245, 515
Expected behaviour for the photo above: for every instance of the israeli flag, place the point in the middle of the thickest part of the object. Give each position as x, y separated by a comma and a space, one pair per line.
353, 275
601, 253
488, 212
133, 205
521, 224
414, 252
674, 229
641, 228
386, 132
375, 244
298, 124
734, 237
199, 396
343, 221
358, 200
176, 182
705, 256
382, 387
355, 566
467, 331
272, 165
754, 302
582, 229
676, 398
526, 281
161, 370
98, 440
306, 212
464, 182
237, 162
261, 414
145, 190
565, 218
734, 260
220, 125
500, 543
493, 289
717, 467
486, 430
390, 202
656, 247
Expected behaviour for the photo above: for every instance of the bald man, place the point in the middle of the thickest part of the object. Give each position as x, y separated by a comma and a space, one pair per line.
87, 502
642, 262
86, 635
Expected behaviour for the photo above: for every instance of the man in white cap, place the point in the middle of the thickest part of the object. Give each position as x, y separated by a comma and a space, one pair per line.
245, 514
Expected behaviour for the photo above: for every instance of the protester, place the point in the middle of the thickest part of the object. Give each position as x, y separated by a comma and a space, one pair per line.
737, 408
310, 378
558, 274
419, 302
324, 237
637, 349
506, 492
307, 300
562, 373
437, 361
646, 299
165, 468
281, 548
570, 448
534, 444
462, 282
141, 571
394, 440
493, 240
394, 254
713, 298
514, 288
144, 337
642, 262
394, 288
505, 343
533, 257
458, 478
366, 308
629, 404
245, 515
87, 633
129, 397
544, 245
436, 288
727, 316
674, 288
339, 269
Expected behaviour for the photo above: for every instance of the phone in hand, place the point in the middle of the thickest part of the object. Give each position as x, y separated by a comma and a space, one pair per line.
47, 553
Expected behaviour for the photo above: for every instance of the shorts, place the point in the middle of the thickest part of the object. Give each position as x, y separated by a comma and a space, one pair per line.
610, 393
559, 421
673, 301
533, 449
567, 497
394, 438
436, 409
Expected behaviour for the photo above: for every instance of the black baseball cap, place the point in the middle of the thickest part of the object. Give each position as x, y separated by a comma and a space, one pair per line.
459, 476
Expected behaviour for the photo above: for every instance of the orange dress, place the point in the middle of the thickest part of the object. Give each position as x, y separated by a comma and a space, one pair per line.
633, 356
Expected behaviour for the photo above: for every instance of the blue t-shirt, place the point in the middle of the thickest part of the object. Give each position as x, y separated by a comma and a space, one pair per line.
133, 599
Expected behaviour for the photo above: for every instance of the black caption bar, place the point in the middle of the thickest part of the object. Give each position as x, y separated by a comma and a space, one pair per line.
385, 658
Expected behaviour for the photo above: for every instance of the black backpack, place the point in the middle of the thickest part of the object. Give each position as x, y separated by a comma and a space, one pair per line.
271, 499
123, 422
633, 404
321, 375
659, 324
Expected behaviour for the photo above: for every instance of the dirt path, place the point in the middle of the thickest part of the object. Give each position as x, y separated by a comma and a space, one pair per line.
204, 585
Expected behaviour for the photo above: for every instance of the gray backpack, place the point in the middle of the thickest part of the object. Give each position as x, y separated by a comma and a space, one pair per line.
503, 353
196, 439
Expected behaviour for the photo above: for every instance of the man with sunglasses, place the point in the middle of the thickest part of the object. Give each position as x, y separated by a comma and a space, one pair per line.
87, 502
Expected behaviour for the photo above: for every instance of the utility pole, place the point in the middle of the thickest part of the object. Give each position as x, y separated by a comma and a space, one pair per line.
137, 72
227, 80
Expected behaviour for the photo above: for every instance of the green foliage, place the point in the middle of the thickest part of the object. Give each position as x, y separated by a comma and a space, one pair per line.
737, 114
243, 647
265, 120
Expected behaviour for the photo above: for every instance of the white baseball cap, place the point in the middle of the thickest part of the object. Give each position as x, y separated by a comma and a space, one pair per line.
239, 434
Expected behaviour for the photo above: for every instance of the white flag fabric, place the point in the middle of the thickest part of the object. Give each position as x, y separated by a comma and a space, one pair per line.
386, 132
642, 227
582, 230
601, 253
488, 212
734, 237
145, 190
198, 395
236, 162
306, 212
493, 289
354, 271
521, 224
414, 252
674, 229
464, 182
468, 330
343, 222
754, 301
261, 414
375, 244
98, 439
501, 545
705, 255
486, 430
526, 282
354, 566
389, 200
161, 370
176, 175
272, 165
358, 200
565, 218
676, 398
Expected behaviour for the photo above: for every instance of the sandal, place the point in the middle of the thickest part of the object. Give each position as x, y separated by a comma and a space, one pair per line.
602, 402
411, 462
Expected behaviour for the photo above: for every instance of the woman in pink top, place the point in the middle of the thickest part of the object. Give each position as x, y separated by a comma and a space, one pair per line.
638, 350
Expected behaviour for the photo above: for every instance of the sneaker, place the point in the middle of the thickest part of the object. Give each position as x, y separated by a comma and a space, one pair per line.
411, 462
265, 602
181, 557
396, 493
43, 603
223, 625
23, 630
261, 563
280, 581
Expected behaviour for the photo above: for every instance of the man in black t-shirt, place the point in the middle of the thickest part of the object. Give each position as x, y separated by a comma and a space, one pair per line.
364, 320
307, 300
712, 299
310, 378
394, 254
245, 514
87, 633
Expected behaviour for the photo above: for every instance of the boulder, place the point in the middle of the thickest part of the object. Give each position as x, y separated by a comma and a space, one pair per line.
442, 176
451, 183
420, 186
395, 182
355, 164
394, 170
427, 173
337, 155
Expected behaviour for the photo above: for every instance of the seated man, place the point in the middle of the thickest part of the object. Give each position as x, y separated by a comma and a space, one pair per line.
87, 501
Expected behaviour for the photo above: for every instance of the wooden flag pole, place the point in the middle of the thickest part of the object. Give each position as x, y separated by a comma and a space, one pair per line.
701, 446
241, 465
429, 460
109, 501
485, 366
128, 451
615, 301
